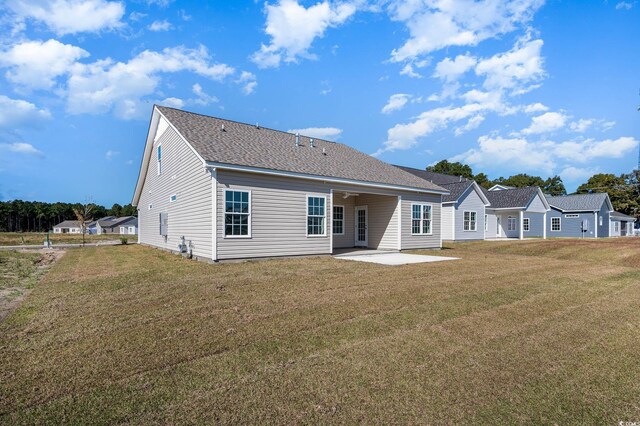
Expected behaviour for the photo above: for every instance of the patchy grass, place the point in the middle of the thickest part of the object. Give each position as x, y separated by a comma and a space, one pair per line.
38, 238
19, 272
515, 332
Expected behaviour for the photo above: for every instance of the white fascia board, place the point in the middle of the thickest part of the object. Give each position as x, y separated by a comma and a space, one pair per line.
249, 169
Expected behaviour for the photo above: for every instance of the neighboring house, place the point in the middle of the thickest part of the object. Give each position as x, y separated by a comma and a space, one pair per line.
622, 225
68, 227
117, 225
580, 216
463, 210
516, 212
235, 191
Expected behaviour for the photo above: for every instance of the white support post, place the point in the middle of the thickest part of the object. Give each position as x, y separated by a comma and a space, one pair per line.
595, 224
521, 236
330, 224
400, 224
214, 215
544, 226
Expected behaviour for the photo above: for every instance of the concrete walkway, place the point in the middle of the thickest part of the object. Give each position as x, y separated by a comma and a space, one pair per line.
391, 258
60, 246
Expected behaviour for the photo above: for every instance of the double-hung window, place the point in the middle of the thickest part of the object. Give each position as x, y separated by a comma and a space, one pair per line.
555, 224
316, 213
338, 220
469, 221
159, 150
511, 224
525, 224
237, 212
421, 219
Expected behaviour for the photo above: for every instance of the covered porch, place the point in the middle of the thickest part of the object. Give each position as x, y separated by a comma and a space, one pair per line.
515, 224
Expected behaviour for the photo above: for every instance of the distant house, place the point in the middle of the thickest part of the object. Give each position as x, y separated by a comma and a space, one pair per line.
127, 225
463, 210
233, 191
68, 227
622, 225
515, 212
581, 216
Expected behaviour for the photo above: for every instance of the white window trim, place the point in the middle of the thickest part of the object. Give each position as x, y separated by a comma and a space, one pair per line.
486, 223
306, 216
422, 219
224, 208
475, 222
559, 224
171, 198
526, 224
132, 230
333, 218
511, 220
159, 162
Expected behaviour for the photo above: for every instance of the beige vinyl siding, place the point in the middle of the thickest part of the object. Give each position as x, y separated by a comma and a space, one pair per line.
348, 239
278, 220
410, 241
448, 218
382, 219
184, 175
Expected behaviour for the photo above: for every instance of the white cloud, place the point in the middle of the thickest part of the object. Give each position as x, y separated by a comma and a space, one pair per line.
293, 29
163, 25
248, 82
396, 102
71, 16
328, 133
15, 113
473, 123
511, 70
37, 64
110, 154
439, 24
577, 174
21, 148
545, 123
451, 70
106, 85
536, 107
202, 98
409, 72
581, 125
519, 154
624, 5
172, 102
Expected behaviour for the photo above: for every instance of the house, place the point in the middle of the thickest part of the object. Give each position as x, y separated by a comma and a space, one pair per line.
463, 210
228, 190
117, 225
515, 212
621, 224
580, 216
68, 227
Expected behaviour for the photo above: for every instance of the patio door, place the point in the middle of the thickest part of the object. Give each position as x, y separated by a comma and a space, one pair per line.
362, 224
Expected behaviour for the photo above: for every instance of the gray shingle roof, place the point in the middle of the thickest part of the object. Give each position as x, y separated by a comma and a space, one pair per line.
247, 145
111, 221
622, 216
68, 224
510, 198
455, 190
437, 178
578, 202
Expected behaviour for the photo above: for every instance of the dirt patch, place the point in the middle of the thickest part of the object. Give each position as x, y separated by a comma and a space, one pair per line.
19, 272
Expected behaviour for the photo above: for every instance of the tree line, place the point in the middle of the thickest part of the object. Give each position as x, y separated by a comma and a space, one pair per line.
623, 190
37, 216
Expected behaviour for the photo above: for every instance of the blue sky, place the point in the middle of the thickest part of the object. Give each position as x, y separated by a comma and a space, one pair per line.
525, 86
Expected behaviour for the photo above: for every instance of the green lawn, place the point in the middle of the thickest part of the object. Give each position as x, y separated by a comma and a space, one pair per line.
38, 238
542, 332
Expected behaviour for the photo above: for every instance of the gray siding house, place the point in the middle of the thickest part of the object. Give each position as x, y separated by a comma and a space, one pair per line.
580, 216
463, 210
226, 190
622, 225
516, 212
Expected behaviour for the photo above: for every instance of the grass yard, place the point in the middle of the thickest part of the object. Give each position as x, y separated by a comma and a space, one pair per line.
542, 332
38, 238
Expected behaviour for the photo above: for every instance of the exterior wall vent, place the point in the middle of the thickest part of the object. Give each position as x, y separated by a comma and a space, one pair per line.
297, 139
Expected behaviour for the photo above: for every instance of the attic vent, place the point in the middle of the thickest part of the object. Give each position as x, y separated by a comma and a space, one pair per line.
311, 144
222, 127
297, 139
324, 152
257, 125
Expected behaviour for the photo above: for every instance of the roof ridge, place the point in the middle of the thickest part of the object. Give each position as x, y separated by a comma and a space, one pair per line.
246, 124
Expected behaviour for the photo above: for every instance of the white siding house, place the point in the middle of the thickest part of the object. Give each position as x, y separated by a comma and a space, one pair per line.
226, 190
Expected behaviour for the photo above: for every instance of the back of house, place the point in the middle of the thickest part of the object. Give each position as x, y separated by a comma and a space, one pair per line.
580, 216
220, 190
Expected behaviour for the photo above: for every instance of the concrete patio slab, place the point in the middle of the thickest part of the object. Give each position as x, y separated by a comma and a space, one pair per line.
393, 258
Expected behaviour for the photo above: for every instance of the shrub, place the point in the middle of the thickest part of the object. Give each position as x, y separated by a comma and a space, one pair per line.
124, 240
